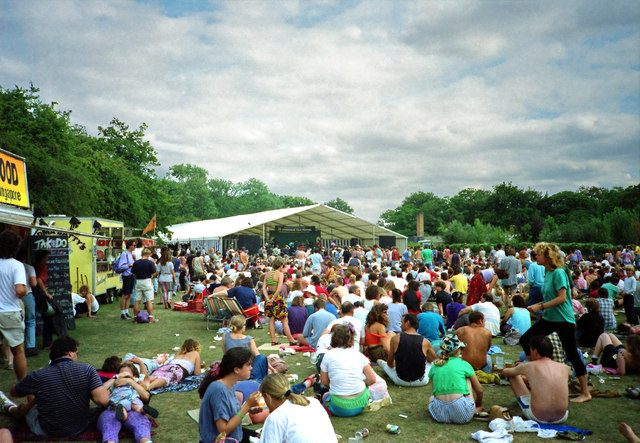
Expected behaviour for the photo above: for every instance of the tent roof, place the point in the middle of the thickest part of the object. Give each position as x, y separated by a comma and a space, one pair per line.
332, 222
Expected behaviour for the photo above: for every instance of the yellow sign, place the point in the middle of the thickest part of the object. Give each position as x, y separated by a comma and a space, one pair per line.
13, 180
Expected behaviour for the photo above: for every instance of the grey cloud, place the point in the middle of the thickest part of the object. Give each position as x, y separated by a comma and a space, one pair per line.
368, 101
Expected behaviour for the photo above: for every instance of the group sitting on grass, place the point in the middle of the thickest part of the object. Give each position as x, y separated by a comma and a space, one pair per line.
412, 322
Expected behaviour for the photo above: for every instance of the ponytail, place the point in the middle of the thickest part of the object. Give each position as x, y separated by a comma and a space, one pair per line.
277, 386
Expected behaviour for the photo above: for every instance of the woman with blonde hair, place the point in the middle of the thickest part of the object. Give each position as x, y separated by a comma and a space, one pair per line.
237, 339
293, 418
167, 277
557, 313
275, 307
186, 362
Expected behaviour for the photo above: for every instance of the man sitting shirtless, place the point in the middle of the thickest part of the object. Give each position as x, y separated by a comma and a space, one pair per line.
548, 400
477, 340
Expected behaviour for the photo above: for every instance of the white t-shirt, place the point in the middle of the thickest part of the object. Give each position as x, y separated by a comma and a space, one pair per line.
499, 255
357, 324
352, 298
299, 424
361, 285
324, 343
491, 316
345, 367
77, 299
12, 273
31, 272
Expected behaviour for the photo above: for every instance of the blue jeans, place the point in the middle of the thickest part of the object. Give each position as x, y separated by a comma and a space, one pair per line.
29, 320
259, 368
150, 363
489, 366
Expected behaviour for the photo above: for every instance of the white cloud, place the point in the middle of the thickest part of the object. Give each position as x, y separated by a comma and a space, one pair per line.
368, 101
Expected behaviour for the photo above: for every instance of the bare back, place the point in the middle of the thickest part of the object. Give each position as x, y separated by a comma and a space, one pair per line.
477, 340
549, 388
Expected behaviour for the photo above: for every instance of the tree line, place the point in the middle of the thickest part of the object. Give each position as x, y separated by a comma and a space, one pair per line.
114, 174
510, 213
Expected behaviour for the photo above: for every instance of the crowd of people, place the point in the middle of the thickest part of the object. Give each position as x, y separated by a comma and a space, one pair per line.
423, 315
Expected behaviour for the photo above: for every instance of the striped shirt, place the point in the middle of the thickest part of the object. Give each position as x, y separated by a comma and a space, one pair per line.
62, 391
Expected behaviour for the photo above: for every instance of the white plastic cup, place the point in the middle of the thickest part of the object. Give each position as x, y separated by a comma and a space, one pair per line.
500, 362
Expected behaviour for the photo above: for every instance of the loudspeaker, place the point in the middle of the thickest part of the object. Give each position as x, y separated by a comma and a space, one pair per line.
353, 242
387, 241
251, 242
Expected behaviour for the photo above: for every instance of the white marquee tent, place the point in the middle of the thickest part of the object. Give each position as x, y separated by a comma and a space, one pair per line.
333, 226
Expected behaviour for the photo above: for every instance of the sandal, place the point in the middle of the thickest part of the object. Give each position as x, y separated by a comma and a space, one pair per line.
274, 343
294, 343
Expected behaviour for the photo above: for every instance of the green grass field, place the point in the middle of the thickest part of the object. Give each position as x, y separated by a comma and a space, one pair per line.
107, 335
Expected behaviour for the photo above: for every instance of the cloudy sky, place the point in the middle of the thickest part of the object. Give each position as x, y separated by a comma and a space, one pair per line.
369, 101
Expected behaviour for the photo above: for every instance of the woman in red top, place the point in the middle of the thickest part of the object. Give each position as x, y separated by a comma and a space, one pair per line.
377, 340
477, 287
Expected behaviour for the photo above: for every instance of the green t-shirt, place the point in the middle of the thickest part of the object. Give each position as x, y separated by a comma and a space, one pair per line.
427, 255
553, 282
613, 290
451, 378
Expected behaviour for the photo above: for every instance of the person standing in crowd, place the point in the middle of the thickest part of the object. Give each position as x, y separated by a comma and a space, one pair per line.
511, 265
167, 278
42, 293
125, 264
275, 306
535, 277
557, 313
29, 304
13, 287
144, 270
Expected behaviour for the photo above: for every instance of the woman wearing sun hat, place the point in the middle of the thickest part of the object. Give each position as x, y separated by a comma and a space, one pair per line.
453, 379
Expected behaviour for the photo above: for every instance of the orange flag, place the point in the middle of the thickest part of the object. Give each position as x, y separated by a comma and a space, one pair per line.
151, 226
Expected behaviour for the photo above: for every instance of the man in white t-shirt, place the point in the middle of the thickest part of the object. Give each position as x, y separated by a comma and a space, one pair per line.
490, 311
13, 286
499, 255
347, 317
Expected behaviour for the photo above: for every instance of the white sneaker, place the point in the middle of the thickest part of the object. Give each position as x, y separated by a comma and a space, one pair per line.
5, 403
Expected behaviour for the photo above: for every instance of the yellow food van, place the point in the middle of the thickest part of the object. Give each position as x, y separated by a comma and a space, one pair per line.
91, 259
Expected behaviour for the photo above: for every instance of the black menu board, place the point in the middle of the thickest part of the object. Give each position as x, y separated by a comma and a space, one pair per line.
58, 280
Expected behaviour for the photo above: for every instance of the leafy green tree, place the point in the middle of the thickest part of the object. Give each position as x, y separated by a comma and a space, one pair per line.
289, 201
340, 205
119, 141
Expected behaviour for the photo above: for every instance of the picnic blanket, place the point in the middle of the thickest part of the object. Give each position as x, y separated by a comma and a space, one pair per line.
196, 311
22, 433
302, 348
189, 383
269, 347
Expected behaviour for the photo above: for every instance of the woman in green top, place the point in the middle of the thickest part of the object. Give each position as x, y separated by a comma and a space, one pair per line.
453, 379
557, 313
